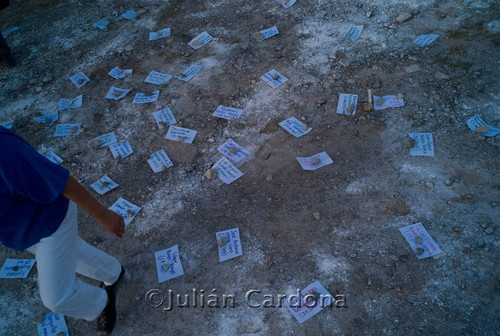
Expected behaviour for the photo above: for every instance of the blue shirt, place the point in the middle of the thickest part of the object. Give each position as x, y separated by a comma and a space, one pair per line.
31, 202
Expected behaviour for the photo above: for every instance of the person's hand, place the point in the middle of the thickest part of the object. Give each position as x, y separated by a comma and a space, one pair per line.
112, 222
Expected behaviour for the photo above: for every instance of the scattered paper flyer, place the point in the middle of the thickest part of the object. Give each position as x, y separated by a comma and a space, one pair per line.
104, 184
13, 30
153, 36
156, 77
16, 268
266, 33
353, 32
8, 124
311, 301
226, 171
53, 324
104, 140
425, 40
142, 98
314, 162
118, 73
190, 72
68, 129
125, 209
200, 40
420, 241
79, 79
287, 3
233, 151
347, 104
54, 158
181, 134
424, 145
383, 102
48, 119
159, 161
274, 78
295, 127
121, 150
168, 264
227, 112
229, 244
116, 93
476, 122
129, 15
70, 103
164, 118
101, 24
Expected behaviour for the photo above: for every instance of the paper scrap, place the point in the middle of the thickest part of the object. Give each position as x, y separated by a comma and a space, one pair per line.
168, 264
8, 124
226, 171
125, 209
181, 134
200, 40
159, 161
268, 33
48, 119
54, 158
118, 73
79, 79
16, 268
353, 32
314, 162
53, 324
68, 129
101, 24
122, 149
424, 145
105, 139
387, 102
232, 247
476, 121
274, 78
70, 103
190, 72
104, 184
156, 77
227, 112
287, 3
164, 118
142, 98
129, 15
233, 151
347, 104
425, 40
422, 247
309, 302
116, 93
153, 36
295, 127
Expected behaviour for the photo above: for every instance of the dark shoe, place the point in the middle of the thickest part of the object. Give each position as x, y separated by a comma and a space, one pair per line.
113, 286
107, 319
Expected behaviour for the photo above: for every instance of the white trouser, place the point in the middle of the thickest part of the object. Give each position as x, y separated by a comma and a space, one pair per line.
63, 254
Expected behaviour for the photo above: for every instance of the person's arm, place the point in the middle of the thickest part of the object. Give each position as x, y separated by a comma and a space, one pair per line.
107, 219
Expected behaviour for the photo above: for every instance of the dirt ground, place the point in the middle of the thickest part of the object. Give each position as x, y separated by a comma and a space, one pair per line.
372, 188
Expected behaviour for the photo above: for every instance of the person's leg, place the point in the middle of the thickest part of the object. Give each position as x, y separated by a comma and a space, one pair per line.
60, 290
96, 264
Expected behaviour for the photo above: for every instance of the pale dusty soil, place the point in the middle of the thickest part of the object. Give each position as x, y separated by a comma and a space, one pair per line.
373, 187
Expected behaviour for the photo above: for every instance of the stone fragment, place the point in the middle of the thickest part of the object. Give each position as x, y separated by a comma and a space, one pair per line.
403, 17
488, 230
403, 258
233, 150
222, 241
80, 81
163, 167
409, 142
317, 215
96, 143
104, 184
196, 43
367, 107
418, 240
419, 251
481, 129
211, 174
15, 268
165, 267
339, 54
38, 89
257, 36
181, 139
269, 178
73, 130
350, 109
380, 100
130, 214
275, 77
316, 160
117, 93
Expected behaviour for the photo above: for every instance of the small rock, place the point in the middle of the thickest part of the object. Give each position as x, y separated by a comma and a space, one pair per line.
419, 251
257, 36
418, 240
46, 79
222, 241
440, 75
130, 214
339, 54
457, 229
412, 68
211, 174
315, 161
317, 216
129, 48
403, 258
409, 142
367, 107
233, 150
448, 182
488, 231
403, 17
269, 178
275, 77
481, 129
38, 89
